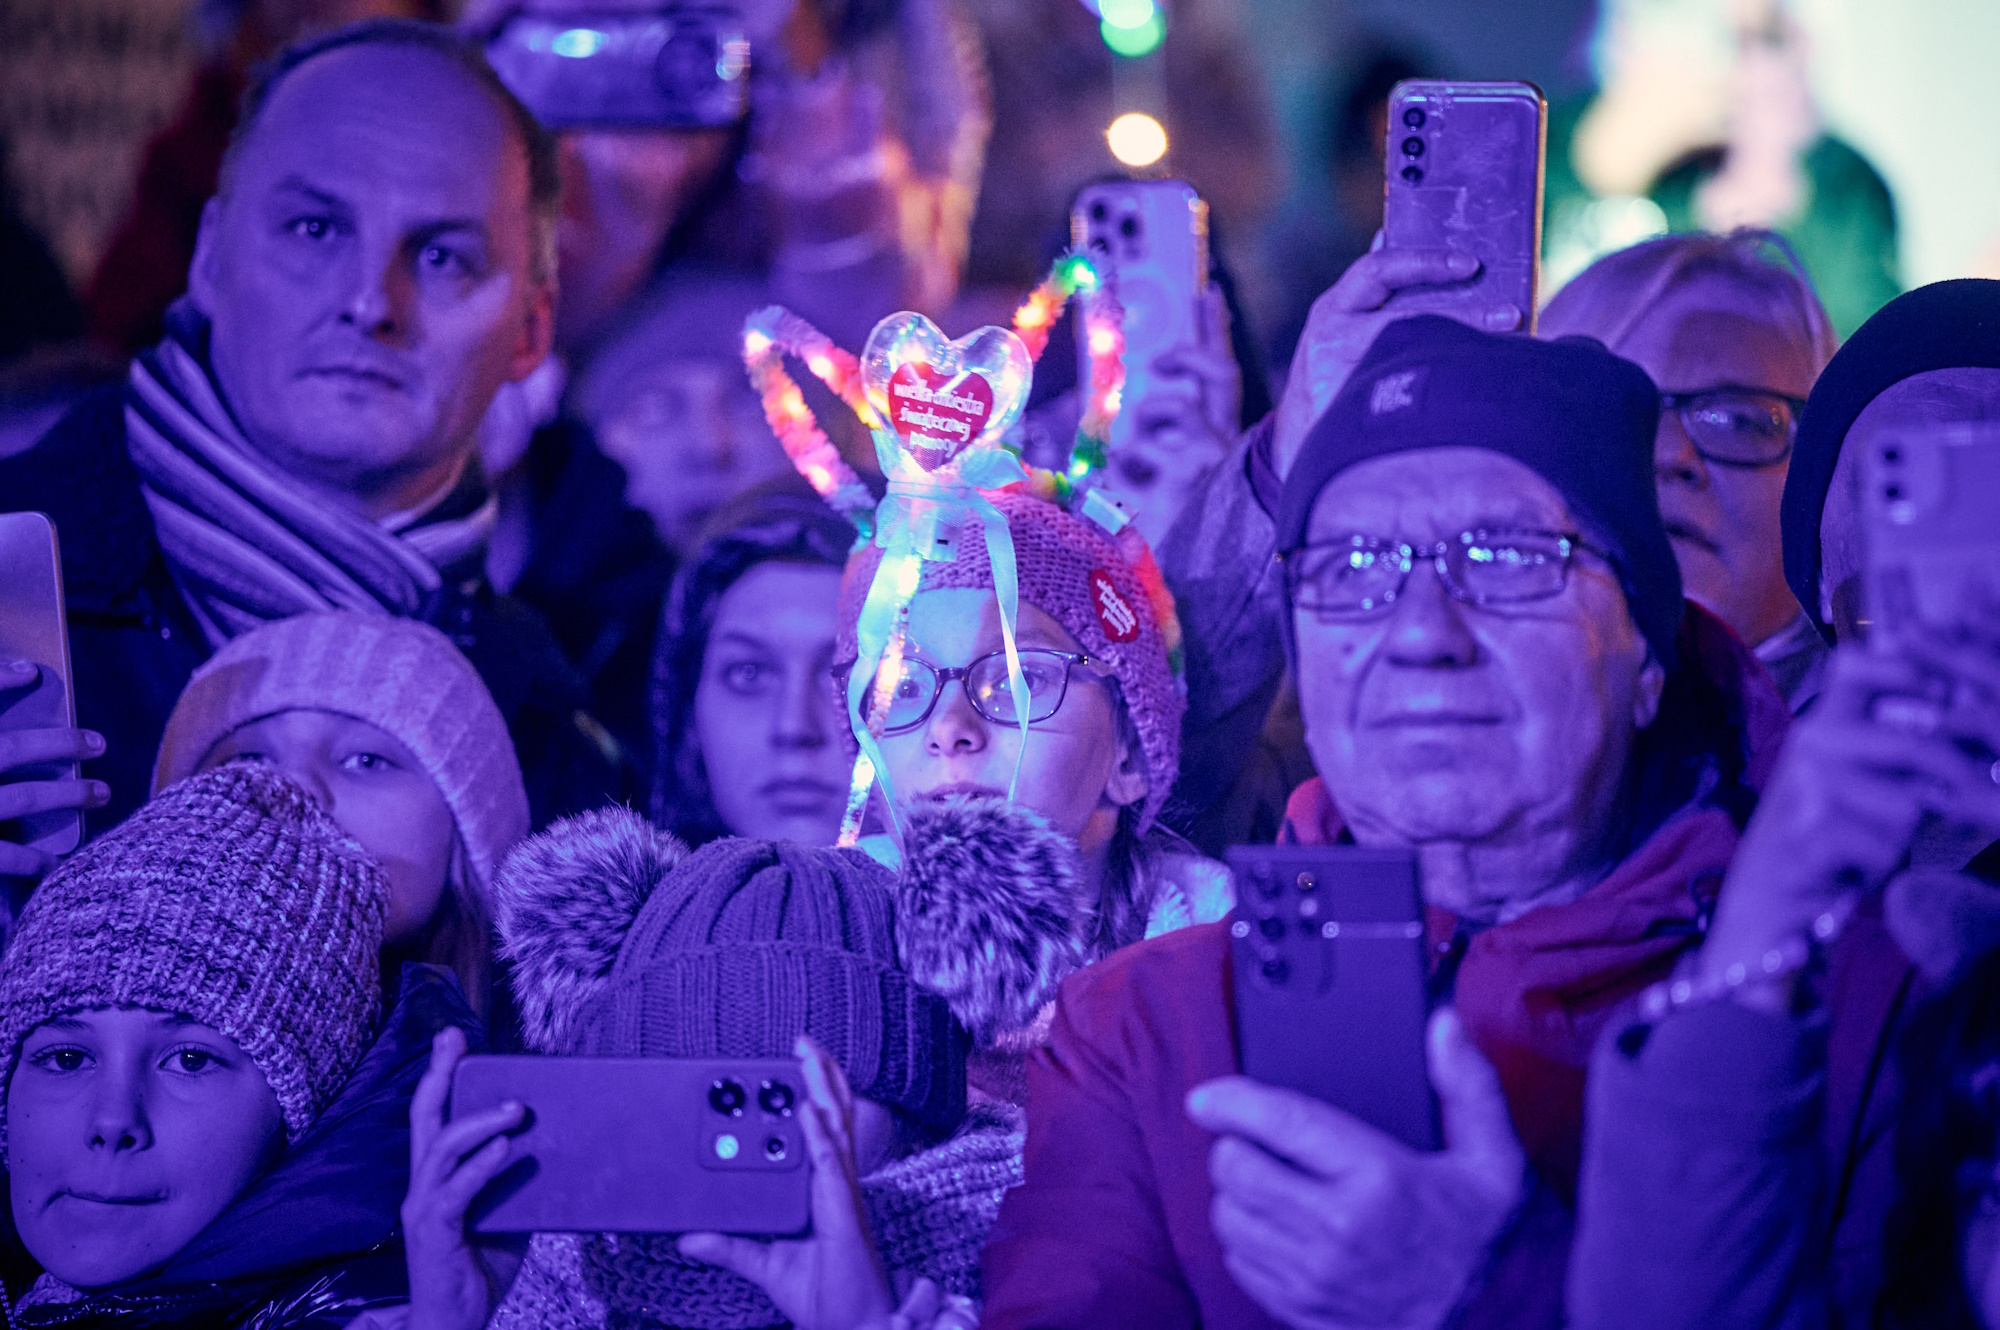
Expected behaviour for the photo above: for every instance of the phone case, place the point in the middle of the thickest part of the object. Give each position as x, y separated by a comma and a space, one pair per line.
33, 626
1330, 981
1928, 502
1152, 238
644, 1145
1464, 171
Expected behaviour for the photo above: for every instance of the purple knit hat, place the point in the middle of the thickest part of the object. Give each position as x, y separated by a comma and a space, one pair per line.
1105, 589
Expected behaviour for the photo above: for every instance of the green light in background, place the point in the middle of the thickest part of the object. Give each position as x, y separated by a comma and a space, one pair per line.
1127, 13
1135, 41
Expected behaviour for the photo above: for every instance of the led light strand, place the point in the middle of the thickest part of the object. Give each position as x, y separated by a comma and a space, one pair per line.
769, 336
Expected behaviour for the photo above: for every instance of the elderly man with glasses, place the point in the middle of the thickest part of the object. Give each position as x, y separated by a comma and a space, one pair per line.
1497, 671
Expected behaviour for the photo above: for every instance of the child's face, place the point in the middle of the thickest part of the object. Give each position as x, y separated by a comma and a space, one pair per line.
374, 788
128, 1133
1077, 769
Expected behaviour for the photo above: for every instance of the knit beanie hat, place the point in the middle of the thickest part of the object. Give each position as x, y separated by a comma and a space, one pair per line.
1578, 416
230, 899
401, 676
1946, 325
1104, 589
626, 945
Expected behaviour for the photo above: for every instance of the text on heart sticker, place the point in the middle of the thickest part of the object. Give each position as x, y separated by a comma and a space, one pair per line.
936, 414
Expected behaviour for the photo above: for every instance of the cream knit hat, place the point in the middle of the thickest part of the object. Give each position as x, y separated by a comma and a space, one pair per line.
230, 899
401, 676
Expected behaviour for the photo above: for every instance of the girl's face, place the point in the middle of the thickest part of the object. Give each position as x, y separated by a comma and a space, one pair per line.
129, 1132
1078, 768
374, 789
764, 711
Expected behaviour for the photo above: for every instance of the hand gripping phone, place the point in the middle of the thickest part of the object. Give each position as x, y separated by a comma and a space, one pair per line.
677, 66
1329, 976
33, 628
1151, 237
1464, 166
644, 1145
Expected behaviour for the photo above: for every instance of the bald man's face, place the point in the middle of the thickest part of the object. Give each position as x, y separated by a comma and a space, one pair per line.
366, 268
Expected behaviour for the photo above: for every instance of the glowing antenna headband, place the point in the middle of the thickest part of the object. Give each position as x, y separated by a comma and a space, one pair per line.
938, 411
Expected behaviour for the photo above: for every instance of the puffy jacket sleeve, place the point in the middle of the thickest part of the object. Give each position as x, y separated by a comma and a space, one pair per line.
1083, 1241
1219, 562
1702, 1176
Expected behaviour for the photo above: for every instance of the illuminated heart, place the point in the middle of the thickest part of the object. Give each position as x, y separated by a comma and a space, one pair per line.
943, 397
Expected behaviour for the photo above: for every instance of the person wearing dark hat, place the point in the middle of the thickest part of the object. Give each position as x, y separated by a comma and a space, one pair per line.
1497, 670
871, 977
206, 1112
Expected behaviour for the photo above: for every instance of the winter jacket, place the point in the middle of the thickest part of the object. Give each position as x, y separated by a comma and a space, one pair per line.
315, 1242
133, 642
1111, 1226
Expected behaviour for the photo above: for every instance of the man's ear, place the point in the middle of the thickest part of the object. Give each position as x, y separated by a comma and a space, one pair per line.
206, 270
1646, 697
538, 331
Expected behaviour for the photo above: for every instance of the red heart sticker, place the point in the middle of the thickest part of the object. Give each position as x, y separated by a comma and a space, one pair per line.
937, 414
1114, 616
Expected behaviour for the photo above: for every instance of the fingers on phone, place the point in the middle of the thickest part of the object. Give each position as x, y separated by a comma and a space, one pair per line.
20, 747
43, 796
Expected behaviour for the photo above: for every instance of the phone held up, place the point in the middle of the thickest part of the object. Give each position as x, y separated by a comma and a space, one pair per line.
644, 1145
33, 628
1151, 238
1464, 169
679, 66
1931, 545
1330, 979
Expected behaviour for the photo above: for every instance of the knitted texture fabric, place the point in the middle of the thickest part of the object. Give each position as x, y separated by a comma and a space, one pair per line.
930, 1213
403, 677
624, 945
1104, 590
1946, 325
1573, 413
230, 899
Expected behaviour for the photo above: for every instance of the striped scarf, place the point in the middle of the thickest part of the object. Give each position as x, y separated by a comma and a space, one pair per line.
247, 544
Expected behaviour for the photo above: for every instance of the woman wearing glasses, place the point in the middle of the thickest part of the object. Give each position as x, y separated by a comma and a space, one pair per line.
1732, 333
1099, 652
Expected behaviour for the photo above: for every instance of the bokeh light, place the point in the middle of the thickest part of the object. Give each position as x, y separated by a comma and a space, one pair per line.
1138, 39
1136, 139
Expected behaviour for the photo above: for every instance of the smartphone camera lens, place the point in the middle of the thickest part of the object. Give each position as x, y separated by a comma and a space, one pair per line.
1413, 146
1098, 212
1892, 455
1413, 174
775, 1098
774, 1148
1273, 927
1128, 227
1414, 117
727, 1098
1276, 970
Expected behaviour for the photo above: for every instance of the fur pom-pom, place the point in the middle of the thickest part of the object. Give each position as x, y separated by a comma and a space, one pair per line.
563, 902
988, 915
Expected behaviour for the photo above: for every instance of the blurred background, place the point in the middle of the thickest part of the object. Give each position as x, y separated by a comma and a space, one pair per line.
1864, 129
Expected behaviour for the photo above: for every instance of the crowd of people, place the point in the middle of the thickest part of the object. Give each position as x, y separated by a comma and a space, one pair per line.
425, 709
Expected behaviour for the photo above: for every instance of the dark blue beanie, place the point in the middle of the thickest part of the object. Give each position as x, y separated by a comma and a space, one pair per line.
1578, 416
1946, 325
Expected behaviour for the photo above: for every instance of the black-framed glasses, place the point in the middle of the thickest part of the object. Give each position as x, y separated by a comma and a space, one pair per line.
919, 683
1358, 575
1745, 427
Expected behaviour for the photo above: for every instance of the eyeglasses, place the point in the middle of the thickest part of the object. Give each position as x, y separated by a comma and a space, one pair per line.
1738, 426
1355, 576
915, 693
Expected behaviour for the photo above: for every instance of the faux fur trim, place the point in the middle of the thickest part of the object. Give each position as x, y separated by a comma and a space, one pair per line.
563, 902
988, 915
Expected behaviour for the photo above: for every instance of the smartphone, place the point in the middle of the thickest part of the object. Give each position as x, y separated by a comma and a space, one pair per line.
1330, 981
644, 1145
1464, 165
33, 627
1151, 239
678, 66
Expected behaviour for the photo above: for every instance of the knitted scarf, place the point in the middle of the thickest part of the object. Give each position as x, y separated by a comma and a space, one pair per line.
930, 1213
247, 544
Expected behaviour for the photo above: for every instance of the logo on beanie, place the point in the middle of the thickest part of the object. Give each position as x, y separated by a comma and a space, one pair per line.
1394, 392
1114, 616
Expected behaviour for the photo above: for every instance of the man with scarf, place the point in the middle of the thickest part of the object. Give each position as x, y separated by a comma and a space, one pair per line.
1569, 749
378, 260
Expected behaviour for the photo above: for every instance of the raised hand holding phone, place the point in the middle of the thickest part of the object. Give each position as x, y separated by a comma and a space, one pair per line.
834, 1279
